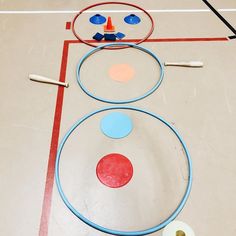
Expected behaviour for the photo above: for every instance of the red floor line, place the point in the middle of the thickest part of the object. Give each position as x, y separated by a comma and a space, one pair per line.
46, 208
199, 39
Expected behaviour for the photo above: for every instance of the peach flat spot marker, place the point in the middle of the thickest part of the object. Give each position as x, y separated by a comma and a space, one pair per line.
121, 72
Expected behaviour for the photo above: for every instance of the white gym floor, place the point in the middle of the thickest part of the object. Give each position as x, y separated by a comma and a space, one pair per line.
199, 102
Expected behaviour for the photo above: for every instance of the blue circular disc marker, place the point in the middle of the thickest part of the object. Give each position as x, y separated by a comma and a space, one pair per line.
132, 19
97, 19
116, 125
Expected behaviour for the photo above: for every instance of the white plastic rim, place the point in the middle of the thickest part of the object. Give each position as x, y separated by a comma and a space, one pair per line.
172, 228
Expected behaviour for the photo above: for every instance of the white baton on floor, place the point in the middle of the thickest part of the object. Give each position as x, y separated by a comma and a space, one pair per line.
185, 64
43, 79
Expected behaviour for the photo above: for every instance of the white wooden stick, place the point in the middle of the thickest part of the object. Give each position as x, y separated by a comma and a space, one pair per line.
185, 64
43, 79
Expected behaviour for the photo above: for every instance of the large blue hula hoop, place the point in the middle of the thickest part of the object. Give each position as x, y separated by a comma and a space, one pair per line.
158, 83
117, 232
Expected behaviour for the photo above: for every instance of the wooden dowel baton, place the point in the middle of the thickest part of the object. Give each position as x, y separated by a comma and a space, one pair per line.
42, 79
185, 64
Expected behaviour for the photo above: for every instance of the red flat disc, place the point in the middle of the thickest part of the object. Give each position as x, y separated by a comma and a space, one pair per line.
114, 170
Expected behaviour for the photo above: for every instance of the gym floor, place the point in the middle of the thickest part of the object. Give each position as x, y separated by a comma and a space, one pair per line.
200, 103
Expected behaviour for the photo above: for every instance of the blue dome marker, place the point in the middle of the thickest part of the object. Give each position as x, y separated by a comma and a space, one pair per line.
97, 19
132, 19
116, 125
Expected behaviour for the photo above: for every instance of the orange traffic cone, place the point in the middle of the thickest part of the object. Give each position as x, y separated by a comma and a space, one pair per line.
109, 27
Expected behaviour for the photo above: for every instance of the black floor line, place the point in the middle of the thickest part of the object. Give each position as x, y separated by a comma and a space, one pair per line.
232, 37
221, 18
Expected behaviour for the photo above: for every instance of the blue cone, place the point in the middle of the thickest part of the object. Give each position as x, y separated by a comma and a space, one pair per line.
132, 19
97, 19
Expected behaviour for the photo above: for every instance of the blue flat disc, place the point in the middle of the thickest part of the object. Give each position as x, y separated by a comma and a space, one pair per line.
116, 125
97, 19
132, 19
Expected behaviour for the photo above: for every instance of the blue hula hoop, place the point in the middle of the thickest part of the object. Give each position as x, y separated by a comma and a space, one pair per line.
158, 83
117, 232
